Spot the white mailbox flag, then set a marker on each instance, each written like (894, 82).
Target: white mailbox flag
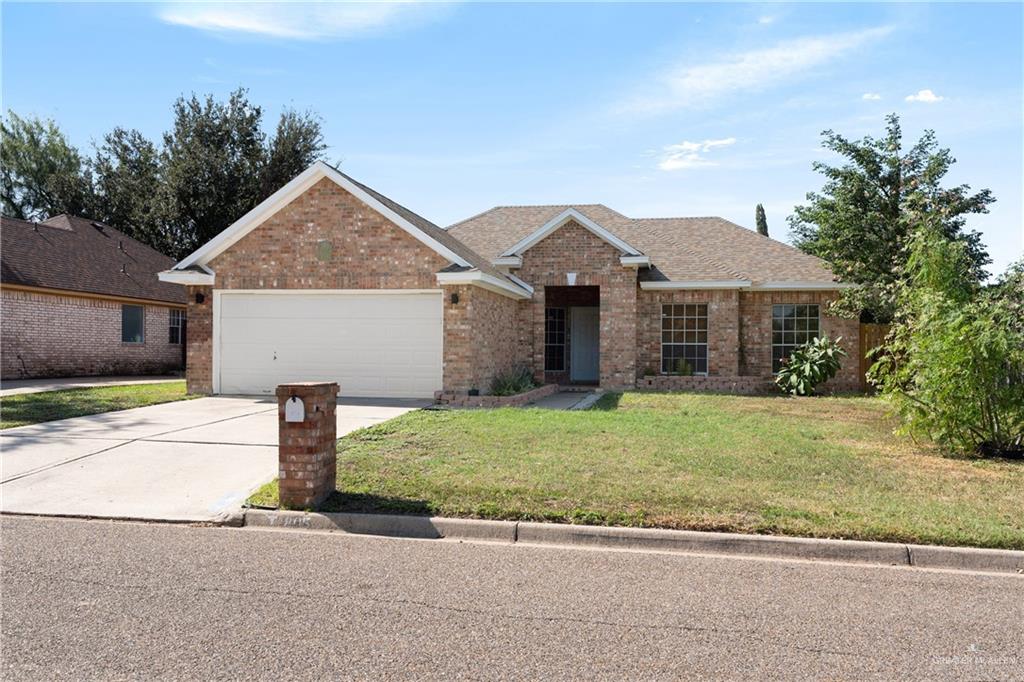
(294, 410)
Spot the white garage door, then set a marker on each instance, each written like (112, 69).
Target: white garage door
(380, 344)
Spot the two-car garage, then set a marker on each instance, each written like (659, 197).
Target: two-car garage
(374, 343)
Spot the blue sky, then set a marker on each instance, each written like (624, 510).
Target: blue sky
(654, 110)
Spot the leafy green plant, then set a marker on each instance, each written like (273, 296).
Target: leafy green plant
(953, 364)
(682, 368)
(513, 381)
(811, 364)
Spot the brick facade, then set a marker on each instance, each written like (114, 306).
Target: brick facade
(199, 364)
(49, 335)
(575, 249)
(755, 358)
(327, 239)
(480, 339)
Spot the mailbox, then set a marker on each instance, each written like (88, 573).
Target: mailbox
(294, 410)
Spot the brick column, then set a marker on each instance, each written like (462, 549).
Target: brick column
(307, 459)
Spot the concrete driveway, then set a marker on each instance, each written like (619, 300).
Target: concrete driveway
(192, 460)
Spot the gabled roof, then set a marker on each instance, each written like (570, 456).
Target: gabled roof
(416, 225)
(709, 250)
(565, 217)
(76, 254)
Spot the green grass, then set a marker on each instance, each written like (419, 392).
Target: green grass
(34, 408)
(818, 467)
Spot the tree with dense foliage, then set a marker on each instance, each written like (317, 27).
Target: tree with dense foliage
(297, 142)
(41, 173)
(761, 220)
(128, 190)
(862, 220)
(214, 165)
(953, 364)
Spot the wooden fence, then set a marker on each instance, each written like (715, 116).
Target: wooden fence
(871, 336)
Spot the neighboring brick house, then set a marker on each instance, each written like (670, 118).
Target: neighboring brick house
(329, 280)
(80, 298)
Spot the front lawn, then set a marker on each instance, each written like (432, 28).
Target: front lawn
(820, 467)
(33, 408)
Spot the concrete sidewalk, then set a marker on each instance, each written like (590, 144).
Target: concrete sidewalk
(19, 386)
(193, 460)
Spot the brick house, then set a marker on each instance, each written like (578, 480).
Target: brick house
(329, 280)
(79, 298)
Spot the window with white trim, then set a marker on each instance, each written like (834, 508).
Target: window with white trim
(792, 326)
(684, 338)
(554, 339)
(176, 332)
(133, 324)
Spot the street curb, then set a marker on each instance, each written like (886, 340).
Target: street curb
(645, 539)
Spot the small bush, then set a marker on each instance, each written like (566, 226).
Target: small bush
(513, 381)
(682, 368)
(811, 364)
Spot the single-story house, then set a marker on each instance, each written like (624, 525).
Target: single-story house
(328, 279)
(80, 298)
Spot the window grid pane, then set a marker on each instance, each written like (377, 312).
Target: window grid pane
(554, 339)
(684, 338)
(177, 322)
(792, 327)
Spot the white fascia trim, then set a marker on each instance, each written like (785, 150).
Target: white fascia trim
(697, 284)
(186, 277)
(295, 187)
(804, 286)
(332, 292)
(635, 261)
(508, 262)
(520, 283)
(482, 279)
(560, 220)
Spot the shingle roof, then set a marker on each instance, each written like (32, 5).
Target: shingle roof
(77, 254)
(682, 249)
(431, 230)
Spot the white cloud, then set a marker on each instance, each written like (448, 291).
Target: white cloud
(871, 96)
(690, 154)
(300, 21)
(688, 85)
(766, 20)
(926, 96)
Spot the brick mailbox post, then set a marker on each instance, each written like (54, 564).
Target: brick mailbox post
(307, 433)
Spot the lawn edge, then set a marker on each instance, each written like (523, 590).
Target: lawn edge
(645, 539)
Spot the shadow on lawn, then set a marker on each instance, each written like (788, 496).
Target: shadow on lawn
(375, 504)
(608, 402)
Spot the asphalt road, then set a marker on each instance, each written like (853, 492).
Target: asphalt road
(104, 600)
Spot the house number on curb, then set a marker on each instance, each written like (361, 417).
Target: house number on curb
(294, 410)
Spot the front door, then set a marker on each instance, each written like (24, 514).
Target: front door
(583, 344)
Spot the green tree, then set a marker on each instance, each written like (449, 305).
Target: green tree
(953, 364)
(297, 143)
(128, 189)
(761, 220)
(211, 161)
(862, 220)
(41, 174)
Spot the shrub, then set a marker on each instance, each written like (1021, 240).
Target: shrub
(811, 364)
(682, 367)
(513, 381)
(953, 365)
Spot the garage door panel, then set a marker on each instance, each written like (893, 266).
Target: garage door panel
(371, 344)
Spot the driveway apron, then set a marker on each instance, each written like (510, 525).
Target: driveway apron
(192, 460)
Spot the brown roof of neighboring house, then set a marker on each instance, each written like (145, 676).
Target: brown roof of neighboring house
(681, 249)
(76, 254)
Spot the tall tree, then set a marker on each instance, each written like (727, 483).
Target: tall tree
(211, 161)
(129, 192)
(297, 143)
(41, 174)
(761, 220)
(862, 220)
